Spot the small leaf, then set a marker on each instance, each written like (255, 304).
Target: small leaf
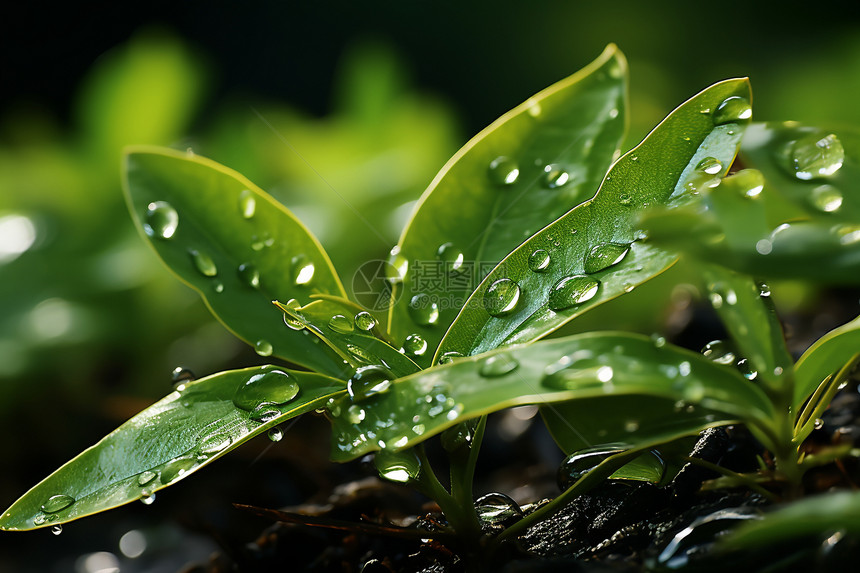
(829, 353)
(523, 171)
(169, 440)
(600, 367)
(230, 241)
(593, 249)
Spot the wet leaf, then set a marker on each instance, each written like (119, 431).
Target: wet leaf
(526, 169)
(594, 251)
(168, 441)
(614, 372)
(829, 353)
(235, 245)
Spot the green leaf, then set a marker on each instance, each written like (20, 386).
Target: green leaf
(829, 353)
(594, 254)
(351, 332)
(526, 169)
(808, 518)
(235, 245)
(171, 439)
(582, 368)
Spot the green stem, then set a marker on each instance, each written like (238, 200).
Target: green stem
(461, 517)
(744, 479)
(807, 425)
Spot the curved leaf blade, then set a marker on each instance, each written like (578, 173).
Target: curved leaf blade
(617, 365)
(230, 241)
(573, 128)
(829, 353)
(655, 172)
(170, 440)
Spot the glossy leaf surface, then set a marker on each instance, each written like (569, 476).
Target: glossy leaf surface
(829, 353)
(235, 245)
(526, 169)
(593, 366)
(593, 251)
(170, 440)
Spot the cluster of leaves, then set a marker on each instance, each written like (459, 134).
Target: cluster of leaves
(565, 223)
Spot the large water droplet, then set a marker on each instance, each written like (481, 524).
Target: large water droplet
(263, 347)
(290, 320)
(719, 351)
(498, 365)
(710, 165)
(146, 477)
(249, 275)
(56, 529)
(247, 203)
(415, 345)
(735, 109)
(605, 255)
(302, 270)
(341, 324)
(176, 469)
(501, 297)
(204, 263)
(369, 380)
(745, 368)
(260, 391)
(423, 310)
(449, 357)
(161, 220)
(504, 171)
(57, 503)
(365, 321)
(580, 463)
(571, 291)
(539, 261)
(826, 198)
(148, 499)
(554, 176)
(816, 156)
(397, 267)
(275, 434)
(214, 444)
(181, 375)
(400, 467)
(451, 257)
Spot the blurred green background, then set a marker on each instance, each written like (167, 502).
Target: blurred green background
(344, 111)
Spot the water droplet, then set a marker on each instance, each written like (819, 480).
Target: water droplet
(369, 380)
(218, 287)
(451, 257)
(341, 324)
(397, 267)
(449, 357)
(302, 270)
(355, 414)
(148, 499)
(458, 436)
(176, 468)
(631, 426)
(554, 176)
(501, 297)
(580, 463)
(204, 263)
(498, 365)
(424, 310)
(57, 503)
(146, 477)
(658, 341)
(504, 171)
(161, 220)
(290, 320)
(826, 198)
(625, 200)
(247, 203)
(605, 255)
(39, 519)
(249, 275)
(400, 467)
(745, 368)
(275, 434)
(415, 345)
(269, 388)
(181, 375)
(733, 110)
(571, 291)
(819, 423)
(719, 351)
(364, 321)
(763, 290)
(263, 347)
(57, 529)
(539, 261)
(710, 165)
(258, 243)
(214, 444)
(751, 180)
(816, 156)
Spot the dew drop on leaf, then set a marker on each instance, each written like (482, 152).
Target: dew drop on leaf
(504, 171)
(826, 198)
(148, 499)
(397, 267)
(709, 165)
(203, 263)
(290, 320)
(57, 503)
(400, 467)
(273, 387)
(815, 156)
(146, 477)
(735, 109)
(449, 357)
(554, 176)
(57, 529)
(368, 381)
(176, 469)
(581, 462)
(501, 297)
(355, 414)
(719, 351)
(249, 275)
(218, 287)
(746, 369)
(275, 434)
(340, 324)
(571, 291)
(302, 270)
(181, 375)
(364, 321)
(605, 255)
(498, 365)
(415, 345)
(423, 310)
(161, 220)
(451, 257)
(539, 260)
(214, 444)
(247, 203)
(263, 347)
